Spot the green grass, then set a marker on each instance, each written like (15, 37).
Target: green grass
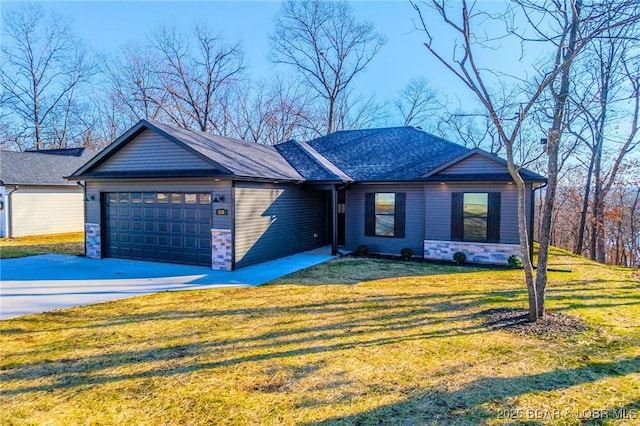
(406, 345)
(72, 243)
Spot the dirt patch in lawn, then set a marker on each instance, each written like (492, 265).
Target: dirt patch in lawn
(552, 325)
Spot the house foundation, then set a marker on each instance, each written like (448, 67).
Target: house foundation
(221, 250)
(92, 240)
(490, 253)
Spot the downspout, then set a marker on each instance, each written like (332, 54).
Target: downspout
(9, 216)
(532, 209)
(84, 205)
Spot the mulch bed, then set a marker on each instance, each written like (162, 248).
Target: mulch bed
(554, 324)
(422, 260)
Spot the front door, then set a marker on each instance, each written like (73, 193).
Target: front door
(342, 210)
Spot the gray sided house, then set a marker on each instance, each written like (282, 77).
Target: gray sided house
(167, 194)
(35, 198)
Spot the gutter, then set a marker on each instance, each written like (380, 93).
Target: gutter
(9, 216)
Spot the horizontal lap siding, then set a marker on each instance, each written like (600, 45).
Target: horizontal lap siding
(414, 220)
(438, 209)
(222, 188)
(274, 220)
(476, 164)
(39, 211)
(151, 151)
(3, 212)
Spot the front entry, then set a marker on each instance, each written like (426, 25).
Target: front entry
(342, 210)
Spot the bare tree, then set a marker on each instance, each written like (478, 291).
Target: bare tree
(324, 43)
(135, 85)
(565, 27)
(270, 113)
(605, 121)
(43, 69)
(197, 83)
(359, 112)
(417, 104)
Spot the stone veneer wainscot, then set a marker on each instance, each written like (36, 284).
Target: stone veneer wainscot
(221, 254)
(92, 240)
(491, 253)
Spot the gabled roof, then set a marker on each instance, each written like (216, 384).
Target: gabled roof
(233, 157)
(389, 154)
(38, 168)
(395, 154)
(527, 175)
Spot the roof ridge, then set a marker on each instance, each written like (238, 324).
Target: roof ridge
(207, 134)
(316, 156)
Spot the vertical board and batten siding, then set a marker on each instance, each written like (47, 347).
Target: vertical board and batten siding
(475, 164)
(221, 188)
(438, 208)
(47, 210)
(151, 151)
(414, 219)
(276, 220)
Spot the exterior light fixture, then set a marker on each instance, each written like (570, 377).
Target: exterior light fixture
(218, 198)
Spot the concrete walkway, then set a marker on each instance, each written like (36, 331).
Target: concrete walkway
(52, 281)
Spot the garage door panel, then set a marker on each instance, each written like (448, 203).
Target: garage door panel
(167, 227)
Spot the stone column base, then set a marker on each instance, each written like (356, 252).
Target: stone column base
(92, 240)
(221, 255)
(490, 253)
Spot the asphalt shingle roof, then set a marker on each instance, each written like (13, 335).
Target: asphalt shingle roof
(392, 154)
(242, 158)
(36, 168)
(389, 154)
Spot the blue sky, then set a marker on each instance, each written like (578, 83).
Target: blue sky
(108, 25)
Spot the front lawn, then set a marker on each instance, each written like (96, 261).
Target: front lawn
(349, 342)
(72, 243)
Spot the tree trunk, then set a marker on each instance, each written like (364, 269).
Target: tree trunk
(36, 115)
(332, 106)
(585, 209)
(553, 143)
(523, 231)
(553, 148)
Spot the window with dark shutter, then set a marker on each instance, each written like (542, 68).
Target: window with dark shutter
(369, 214)
(456, 216)
(493, 218)
(400, 214)
(475, 217)
(385, 214)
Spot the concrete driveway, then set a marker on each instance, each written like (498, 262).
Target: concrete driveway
(52, 281)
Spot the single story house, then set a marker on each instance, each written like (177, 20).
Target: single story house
(168, 194)
(35, 198)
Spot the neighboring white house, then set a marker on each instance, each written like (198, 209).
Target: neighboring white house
(35, 197)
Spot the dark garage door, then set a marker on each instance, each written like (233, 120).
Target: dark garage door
(159, 226)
